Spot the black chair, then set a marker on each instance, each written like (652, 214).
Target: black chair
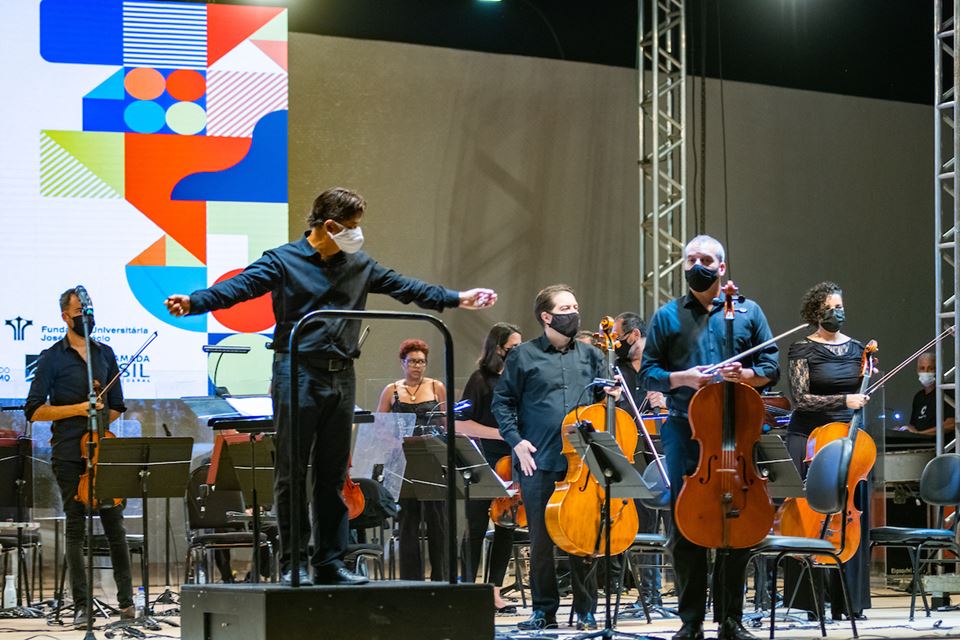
(826, 493)
(939, 486)
(378, 508)
(210, 528)
(32, 544)
(643, 544)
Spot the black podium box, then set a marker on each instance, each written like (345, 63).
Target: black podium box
(380, 610)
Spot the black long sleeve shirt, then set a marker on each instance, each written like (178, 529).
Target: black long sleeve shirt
(61, 379)
(538, 387)
(683, 334)
(301, 281)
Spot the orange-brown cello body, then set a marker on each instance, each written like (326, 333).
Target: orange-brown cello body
(88, 477)
(352, 495)
(508, 512)
(724, 504)
(574, 512)
(796, 518)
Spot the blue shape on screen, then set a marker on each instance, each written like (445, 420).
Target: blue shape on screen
(109, 89)
(144, 116)
(103, 115)
(260, 177)
(151, 285)
(81, 32)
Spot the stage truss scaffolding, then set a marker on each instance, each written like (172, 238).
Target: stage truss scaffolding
(662, 119)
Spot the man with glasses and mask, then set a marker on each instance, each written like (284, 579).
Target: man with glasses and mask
(685, 336)
(60, 394)
(542, 381)
(324, 269)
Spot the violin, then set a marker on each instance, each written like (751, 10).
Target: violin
(352, 495)
(795, 516)
(724, 504)
(574, 514)
(508, 512)
(88, 477)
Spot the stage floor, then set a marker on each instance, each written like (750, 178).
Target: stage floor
(887, 619)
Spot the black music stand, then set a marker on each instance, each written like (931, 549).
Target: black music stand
(605, 460)
(248, 467)
(16, 489)
(777, 467)
(143, 468)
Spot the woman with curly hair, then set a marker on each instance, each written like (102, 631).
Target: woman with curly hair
(416, 393)
(825, 385)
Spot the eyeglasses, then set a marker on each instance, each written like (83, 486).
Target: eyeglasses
(415, 362)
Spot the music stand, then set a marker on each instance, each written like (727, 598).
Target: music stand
(16, 489)
(606, 462)
(143, 468)
(776, 465)
(248, 467)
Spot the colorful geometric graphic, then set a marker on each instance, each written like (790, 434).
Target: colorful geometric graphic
(188, 124)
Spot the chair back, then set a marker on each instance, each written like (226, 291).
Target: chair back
(940, 481)
(378, 505)
(208, 509)
(827, 477)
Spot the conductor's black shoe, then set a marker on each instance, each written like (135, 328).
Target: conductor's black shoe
(733, 630)
(287, 577)
(586, 621)
(337, 575)
(690, 631)
(539, 620)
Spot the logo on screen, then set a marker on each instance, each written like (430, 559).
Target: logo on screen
(19, 326)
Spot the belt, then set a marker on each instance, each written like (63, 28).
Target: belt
(323, 363)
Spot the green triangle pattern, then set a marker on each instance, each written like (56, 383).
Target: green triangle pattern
(99, 151)
(63, 176)
(276, 29)
(177, 256)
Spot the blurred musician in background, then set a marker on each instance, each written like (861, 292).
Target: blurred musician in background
(923, 414)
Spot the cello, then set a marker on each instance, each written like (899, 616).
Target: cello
(796, 518)
(574, 514)
(724, 504)
(508, 512)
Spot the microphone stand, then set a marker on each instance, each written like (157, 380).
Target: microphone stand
(92, 432)
(168, 596)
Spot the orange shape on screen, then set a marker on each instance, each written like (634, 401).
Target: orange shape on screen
(251, 316)
(187, 85)
(144, 83)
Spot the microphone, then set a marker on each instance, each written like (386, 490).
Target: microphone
(85, 303)
(604, 382)
(166, 429)
(215, 348)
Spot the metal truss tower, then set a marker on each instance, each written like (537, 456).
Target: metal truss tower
(946, 140)
(662, 97)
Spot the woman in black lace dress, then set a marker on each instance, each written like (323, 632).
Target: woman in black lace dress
(418, 394)
(825, 384)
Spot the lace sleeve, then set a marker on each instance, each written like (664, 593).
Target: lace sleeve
(800, 389)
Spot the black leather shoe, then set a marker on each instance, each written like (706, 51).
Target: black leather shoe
(539, 620)
(305, 581)
(339, 575)
(733, 630)
(690, 631)
(586, 621)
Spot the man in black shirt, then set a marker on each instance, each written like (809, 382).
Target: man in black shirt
(59, 393)
(685, 336)
(542, 381)
(923, 414)
(632, 332)
(323, 270)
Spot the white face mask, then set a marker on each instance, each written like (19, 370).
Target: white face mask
(926, 378)
(349, 240)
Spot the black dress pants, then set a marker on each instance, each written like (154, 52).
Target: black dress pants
(478, 517)
(326, 414)
(537, 490)
(68, 477)
(690, 560)
(434, 514)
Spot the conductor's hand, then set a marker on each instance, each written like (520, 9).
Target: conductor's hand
(178, 304)
(857, 400)
(525, 451)
(478, 299)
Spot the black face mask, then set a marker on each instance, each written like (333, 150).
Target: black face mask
(700, 278)
(623, 349)
(78, 324)
(566, 324)
(832, 320)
